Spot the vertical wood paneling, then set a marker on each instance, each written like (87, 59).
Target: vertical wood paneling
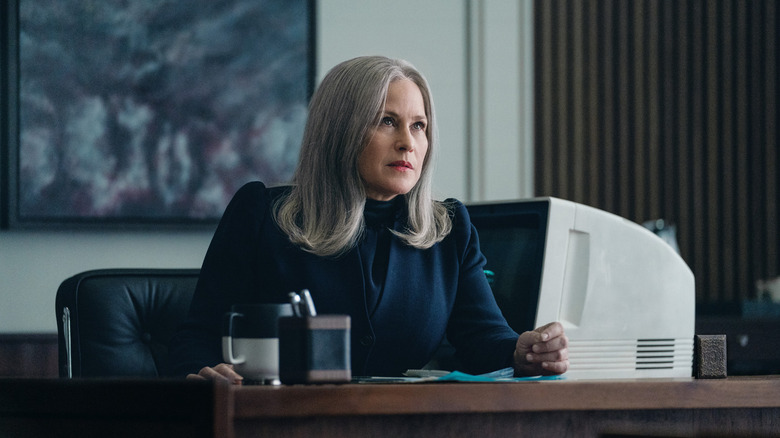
(639, 121)
(593, 94)
(562, 99)
(577, 90)
(653, 84)
(28, 355)
(544, 80)
(758, 155)
(686, 223)
(711, 141)
(607, 77)
(652, 109)
(741, 145)
(668, 128)
(772, 211)
(697, 130)
(728, 207)
(622, 169)
(757, 149)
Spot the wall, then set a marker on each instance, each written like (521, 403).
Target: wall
(474, 54)
(477, 57)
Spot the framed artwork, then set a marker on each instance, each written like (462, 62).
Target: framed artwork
(148, 112)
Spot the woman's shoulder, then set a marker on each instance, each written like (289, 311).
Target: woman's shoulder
(253, 201)
(259, 192)
(456, 209)
(459, 217)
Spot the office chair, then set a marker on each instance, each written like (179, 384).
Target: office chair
(118, 322)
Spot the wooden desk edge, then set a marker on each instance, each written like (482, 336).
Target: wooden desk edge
(449, 398)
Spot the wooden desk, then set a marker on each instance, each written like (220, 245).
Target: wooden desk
(742, 406)
(99, 408)
(732, 407)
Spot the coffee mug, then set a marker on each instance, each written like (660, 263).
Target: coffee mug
(250, 340)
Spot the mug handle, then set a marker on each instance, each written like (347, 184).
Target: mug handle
(227, 340)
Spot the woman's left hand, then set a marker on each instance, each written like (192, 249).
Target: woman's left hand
(543, 351)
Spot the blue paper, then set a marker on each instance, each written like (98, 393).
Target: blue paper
(503, 375)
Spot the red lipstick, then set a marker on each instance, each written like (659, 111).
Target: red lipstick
(401, 165)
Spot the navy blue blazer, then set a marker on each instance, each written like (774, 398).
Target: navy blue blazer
(427, 293)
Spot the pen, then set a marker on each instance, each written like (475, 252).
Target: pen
(309, 302)
(295, 302)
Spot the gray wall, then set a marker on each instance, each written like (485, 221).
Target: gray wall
(476, 56)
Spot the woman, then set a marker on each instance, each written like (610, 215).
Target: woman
(358, 228)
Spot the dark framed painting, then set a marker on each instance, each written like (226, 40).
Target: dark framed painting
(148, 112)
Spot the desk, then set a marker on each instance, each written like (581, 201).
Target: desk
(116, 408)
(733, 407)
(738, 406)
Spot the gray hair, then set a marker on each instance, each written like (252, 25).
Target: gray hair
(323, 213)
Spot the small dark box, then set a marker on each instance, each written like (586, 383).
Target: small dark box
(710, 356)
(314, 349)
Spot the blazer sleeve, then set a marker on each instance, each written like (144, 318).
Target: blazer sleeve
(227, 276)
(477, 329)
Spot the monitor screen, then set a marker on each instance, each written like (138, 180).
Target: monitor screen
(512, 238)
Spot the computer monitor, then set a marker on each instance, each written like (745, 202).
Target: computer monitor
(624, 296)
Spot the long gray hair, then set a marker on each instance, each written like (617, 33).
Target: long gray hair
(323, 213)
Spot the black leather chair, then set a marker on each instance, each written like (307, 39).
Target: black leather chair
(118, 322)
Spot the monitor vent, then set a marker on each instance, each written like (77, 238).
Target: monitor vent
(655, 354)
(642, 356)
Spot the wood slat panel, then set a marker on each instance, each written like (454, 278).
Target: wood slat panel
(741, 145)
(772, 213)
(725, 120)
(592, 94)
(608, 105)
(28, 355)
(663, 109)
(654, 151)
(686, 223)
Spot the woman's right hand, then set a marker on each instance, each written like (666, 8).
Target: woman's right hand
(221, 371)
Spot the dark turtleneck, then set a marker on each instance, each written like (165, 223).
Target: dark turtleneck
(374, 247)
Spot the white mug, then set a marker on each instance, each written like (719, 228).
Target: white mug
(250, 340)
